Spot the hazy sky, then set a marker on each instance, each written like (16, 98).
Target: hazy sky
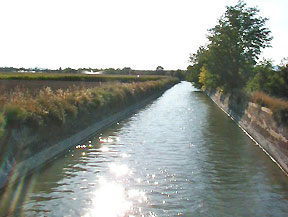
(140, 34)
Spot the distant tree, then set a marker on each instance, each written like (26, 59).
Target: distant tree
(160, 70)
(126, 70)
(70, 70)
(181, 74)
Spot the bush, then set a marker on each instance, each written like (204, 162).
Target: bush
(267, 79)
(14, 114)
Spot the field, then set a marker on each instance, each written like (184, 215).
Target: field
(37, 85)
(78, 77)
(35, 82)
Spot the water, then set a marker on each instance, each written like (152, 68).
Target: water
(179, 156)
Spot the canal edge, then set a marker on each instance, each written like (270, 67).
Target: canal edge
(267, 146)
(26, 167)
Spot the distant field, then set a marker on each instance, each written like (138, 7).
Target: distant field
(36, 85)
(35, 82)
(78, 77)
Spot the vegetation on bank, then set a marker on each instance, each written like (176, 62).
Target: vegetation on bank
(59, 113)
(50, 110)
(77, 77)
(229, 61)
(278, 106)
(46, 107)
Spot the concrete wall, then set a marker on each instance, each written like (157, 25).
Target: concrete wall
(12, 170)
(259, 123)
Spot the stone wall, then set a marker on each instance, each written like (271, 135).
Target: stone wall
(258, 122)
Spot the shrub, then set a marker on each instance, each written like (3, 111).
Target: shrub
(14, 114)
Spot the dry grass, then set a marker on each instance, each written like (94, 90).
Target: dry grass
(278, 106)
(45, 107)
(78, 77)
(37, 85)
(54, 115)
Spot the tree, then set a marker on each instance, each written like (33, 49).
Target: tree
(160, 70)
(235, 44)
(269, 80)
(126, 70)
(207, 79)
(198, 60)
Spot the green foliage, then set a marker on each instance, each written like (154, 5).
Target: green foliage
(2, 124)
(126, 70)
(267, 79)
(14, 114)
(198, 60)
(207, 79)
(234, 46)
(181, 74)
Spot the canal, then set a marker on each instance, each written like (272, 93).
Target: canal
(179, 156)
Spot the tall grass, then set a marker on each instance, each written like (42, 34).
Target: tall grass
(278, 106)
(49, 107)
(78, 77)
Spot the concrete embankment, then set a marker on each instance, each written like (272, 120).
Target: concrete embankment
(258, 122)
(12, 170)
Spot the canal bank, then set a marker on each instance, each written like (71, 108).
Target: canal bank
(12, 169)
(259, 124)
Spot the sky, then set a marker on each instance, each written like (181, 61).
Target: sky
(141, 34)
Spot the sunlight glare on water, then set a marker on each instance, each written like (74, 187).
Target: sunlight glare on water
(119, 170)
(109, 201)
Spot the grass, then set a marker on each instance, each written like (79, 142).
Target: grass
(38, 109)
(57, 114)
(77, 77)
(51, 112)
(278, 106)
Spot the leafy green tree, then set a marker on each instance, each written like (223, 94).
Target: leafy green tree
(198, 60)
(207, 79)
(262, 73)
(235, 44)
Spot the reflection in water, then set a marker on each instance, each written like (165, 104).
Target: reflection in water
(119, 170)
(110, 201)
(179, 156)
